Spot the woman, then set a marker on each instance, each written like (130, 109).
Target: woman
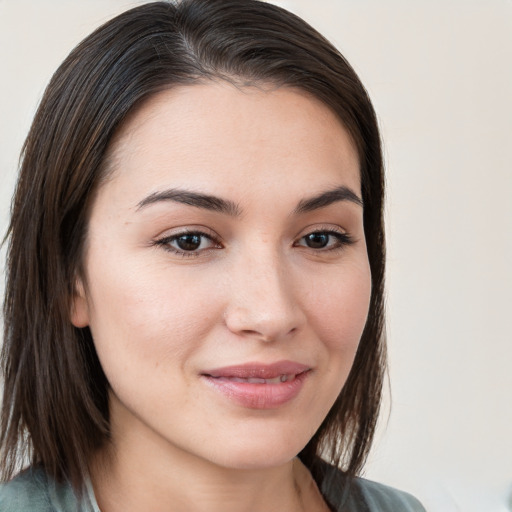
(194, 302)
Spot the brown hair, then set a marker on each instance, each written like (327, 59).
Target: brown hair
(55, 403)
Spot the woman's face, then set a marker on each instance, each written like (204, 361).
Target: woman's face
(226, 276)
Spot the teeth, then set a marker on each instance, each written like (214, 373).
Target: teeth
(256, 380)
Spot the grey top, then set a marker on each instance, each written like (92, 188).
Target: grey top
(34, 491)
(345, 494)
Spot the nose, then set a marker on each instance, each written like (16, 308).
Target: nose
(263, 302)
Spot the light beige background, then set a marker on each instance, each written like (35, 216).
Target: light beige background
(440, 75)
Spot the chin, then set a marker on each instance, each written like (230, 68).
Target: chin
(265, 454)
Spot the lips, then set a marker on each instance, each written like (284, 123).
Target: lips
(259, 371)
(258, 386)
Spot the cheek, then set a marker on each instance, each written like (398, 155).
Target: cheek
(339, 308)
(141, 318)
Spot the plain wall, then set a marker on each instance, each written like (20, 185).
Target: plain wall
(440, 75)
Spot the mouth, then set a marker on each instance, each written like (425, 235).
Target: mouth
(257, 380)
(259, 386)
(280, 371)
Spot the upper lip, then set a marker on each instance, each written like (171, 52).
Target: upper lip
(258, 370)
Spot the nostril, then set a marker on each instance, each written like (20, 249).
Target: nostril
(256, 334)
(250, 332)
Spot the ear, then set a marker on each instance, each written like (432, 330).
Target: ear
(79, 314)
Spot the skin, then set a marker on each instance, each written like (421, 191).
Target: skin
(253, 290)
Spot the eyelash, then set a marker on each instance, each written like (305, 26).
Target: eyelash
(166, 243)
(342, 240)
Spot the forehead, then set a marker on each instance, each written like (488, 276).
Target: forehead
(208, 133)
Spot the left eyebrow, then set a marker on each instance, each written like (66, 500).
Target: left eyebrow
(327, 198)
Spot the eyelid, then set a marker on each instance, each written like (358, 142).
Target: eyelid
(318, 228)
(185, 230)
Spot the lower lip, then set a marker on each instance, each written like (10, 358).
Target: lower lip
(259, 396)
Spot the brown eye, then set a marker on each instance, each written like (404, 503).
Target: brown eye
(189, 242)
(325, 240)
(317, 240)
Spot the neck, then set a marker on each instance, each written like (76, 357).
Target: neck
(121, 485)
(139, 472)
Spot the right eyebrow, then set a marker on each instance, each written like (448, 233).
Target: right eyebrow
(196, 199)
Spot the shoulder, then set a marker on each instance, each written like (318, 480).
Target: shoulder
(380, 497)
(360, 495)
(27, 491)
(32, 490)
